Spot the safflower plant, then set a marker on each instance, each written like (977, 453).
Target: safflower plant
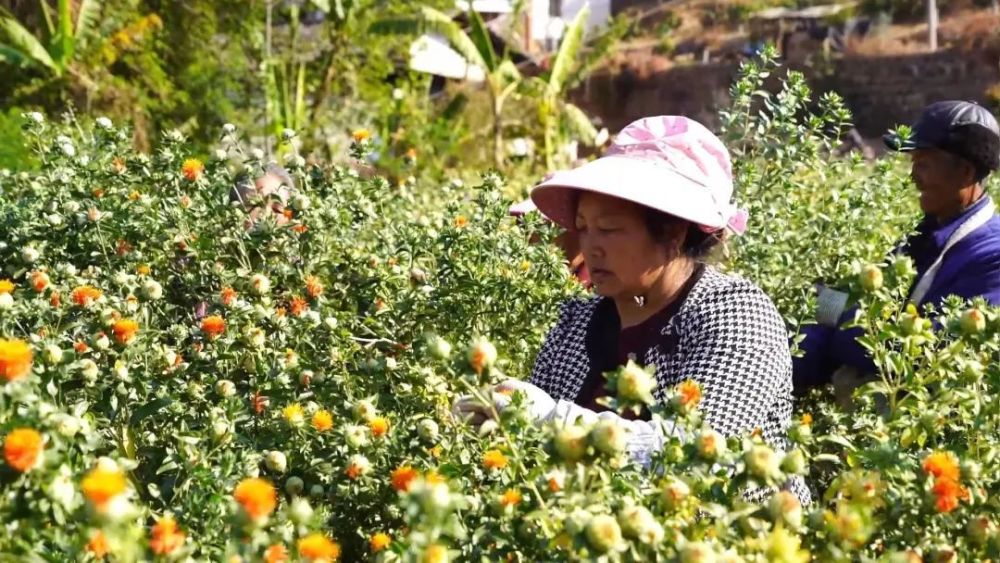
(179, 383)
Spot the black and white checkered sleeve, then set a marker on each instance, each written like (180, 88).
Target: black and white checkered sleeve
(737, 350)
(547, 369)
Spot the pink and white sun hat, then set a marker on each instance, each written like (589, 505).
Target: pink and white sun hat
(669, 163)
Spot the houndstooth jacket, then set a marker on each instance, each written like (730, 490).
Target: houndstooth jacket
(727, 336)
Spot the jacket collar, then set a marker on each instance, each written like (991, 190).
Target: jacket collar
(941, 233)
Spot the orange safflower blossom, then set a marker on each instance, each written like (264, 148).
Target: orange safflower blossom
(403, 477)
(690, 393)
(317, 547)
(15, 359)
(192, 169)
(379, 426)
(461, 221)
(510, 497)
(213, 326)
(22, 449)
(227, 296)
(361, 135)
(322, 420)
(166, 538)
(942, 464)
(124, 330)
(98, 544)
(948, 492)
(277, 553)
(494, 459)
(314, 288)
(379, 541)
(40, 281)
(85, 295)
(257, 497)
(298, 306)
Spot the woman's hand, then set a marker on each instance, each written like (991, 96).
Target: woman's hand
(539, 404)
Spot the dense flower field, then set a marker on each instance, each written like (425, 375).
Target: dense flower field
(179, 384)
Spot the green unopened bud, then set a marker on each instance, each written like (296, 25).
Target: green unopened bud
(294, 486)
(981, 530)
(871, 278)
(571, 443)
(794, 462)
(604, 534)
(763, 463)
(786, 508)
(972, 322)
(609, 438)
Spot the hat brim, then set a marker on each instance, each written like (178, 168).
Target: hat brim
(522, 208)
(651, 184)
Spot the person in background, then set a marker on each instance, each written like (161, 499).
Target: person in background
(567, 241)
(954, 146)
(269, 192)
(648, 214)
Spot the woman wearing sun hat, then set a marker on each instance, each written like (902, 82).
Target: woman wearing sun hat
(647, 214)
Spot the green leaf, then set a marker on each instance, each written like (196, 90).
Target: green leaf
(63, 43)
(839, 440)
(86, 17)
(480, 35)
(442, 24)
(569, 50)
(323, 5)
(148, 409)
(580, 124)
(21, 40)
(11, 56)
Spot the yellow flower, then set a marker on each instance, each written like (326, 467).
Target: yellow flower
(124, 330)
(322, 420)
(435, 553)
(15, 359)
(317, 547)
(461, 221)
(942, 464)
(361, 135)
(192, 169)
(379, 426)
(494, 459)
(379, 541)
(6, 286)
(293, 414)
(510, 497)
(102, 485)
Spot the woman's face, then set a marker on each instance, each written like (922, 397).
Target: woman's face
(621, 254)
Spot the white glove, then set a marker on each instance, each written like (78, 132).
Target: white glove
(539, 404)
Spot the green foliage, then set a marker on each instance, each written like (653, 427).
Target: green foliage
(14, 154)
